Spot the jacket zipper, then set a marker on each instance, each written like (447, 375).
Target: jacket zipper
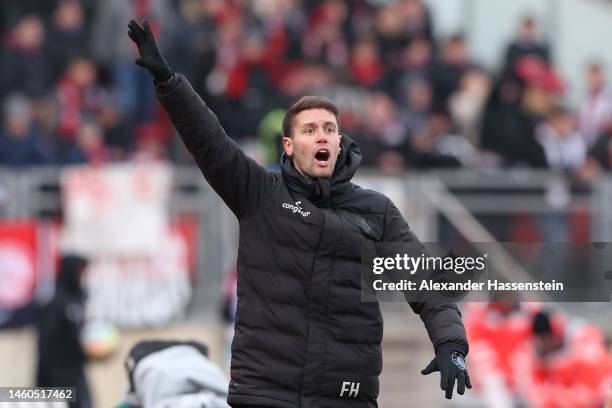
(314, 260)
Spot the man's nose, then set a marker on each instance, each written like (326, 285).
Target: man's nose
(322, 137)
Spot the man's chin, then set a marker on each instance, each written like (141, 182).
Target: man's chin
(321, 173)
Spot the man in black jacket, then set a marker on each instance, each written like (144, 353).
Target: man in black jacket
(303, 338)
(61, 357)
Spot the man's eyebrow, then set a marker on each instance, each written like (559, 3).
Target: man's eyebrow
(314, 124)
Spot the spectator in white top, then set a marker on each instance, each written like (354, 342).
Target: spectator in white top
(563, 145)
(596, 109)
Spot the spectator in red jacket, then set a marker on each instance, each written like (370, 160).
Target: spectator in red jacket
(366, 67)
(497, 332)
(566, 365)
(77, 95)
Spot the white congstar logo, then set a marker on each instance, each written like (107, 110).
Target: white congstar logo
(295, 208)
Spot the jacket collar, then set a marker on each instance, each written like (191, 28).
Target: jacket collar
(323, 192)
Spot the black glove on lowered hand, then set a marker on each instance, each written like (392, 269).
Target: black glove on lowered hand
(451, 365)
(150, 57)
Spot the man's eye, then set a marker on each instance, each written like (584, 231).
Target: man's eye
(309, 130)
(329, 130)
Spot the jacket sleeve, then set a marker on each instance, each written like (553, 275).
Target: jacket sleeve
(238, 179)
(442, 320)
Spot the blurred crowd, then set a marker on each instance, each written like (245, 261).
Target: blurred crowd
(523, 355)
(71, 93)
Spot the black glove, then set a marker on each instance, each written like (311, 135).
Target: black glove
(451, 365)
(150, 57)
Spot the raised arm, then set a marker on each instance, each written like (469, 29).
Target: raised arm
(442, 320)
(237, 178)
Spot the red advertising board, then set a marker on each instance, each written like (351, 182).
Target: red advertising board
(17, 263)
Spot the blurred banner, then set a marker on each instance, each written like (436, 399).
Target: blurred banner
(118, 217)
(144, 291)
(118, 210)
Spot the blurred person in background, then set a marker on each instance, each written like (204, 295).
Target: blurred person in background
(152, 143)
(527, 43)
(565, 153)
(521, 99)
(600, 153)
(67, 36)
(108, 48)
(389, 28)
(284, 22)
(448, 69)
(61, 356)
(507, 129)
(25, 66)
(416, 19)
(566, 363)
(78, 95)
(467, 104)
(87, 147)
(250, 91)
(13, 10)
(564, 148)
(429, 148)
(298, 215)
(21, 142)
(366, 68)
(415, 113)
(306, 78)
(497, 331)
(397, 24)
(325, 39)
(413, 66)
(380, 134)
(596, 108)
(119, 136)
(194, 50)
(270, 136)
(248, 65)
(543, 87)
(361, 19)
(171, 373)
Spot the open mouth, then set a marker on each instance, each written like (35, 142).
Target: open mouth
(322, 156)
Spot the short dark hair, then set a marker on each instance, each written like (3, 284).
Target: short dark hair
(306, 103)
(541, 324)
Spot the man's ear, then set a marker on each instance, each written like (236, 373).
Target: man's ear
(288, 145)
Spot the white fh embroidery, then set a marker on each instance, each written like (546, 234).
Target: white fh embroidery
(353, 391)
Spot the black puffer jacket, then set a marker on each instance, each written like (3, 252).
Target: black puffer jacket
(303, 337)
